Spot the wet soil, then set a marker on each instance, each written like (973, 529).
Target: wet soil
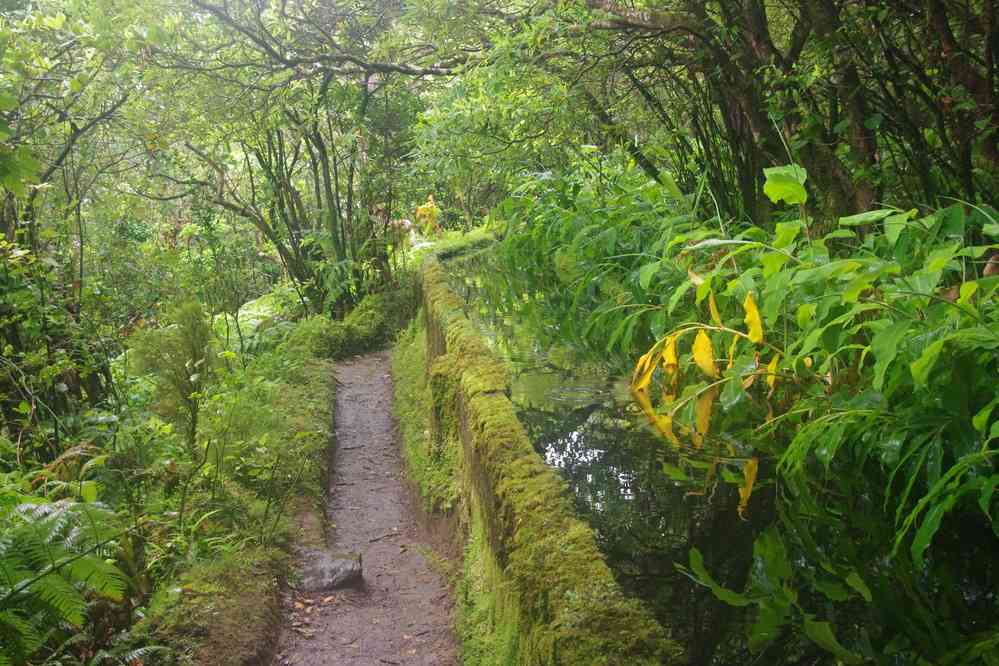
(401, 614)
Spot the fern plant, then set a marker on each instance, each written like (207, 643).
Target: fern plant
(53, 559)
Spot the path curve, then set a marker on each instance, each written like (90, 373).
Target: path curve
(402, 613)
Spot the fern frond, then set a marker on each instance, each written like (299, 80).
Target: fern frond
(60, 594)
(20, 636)
(99, 576)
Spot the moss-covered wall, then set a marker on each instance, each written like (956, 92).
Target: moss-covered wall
(535, 589)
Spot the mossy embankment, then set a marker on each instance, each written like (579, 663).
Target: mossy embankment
(534, 589)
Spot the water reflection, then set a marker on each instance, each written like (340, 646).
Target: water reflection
(580, 418)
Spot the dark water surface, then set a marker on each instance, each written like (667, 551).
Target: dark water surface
(648, 503)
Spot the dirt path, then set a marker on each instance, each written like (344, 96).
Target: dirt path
(401, 613)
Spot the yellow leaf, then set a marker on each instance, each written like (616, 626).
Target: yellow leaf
(670, 364)
(746, 489)
(704, 354)
(668, 356)
(753, 321)
(662, 423)
(713, 307)
(695, 278)
(642, 375)
(772, 371)
(702, 415)
(732, 350)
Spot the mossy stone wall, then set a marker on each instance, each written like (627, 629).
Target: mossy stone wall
(546, 591)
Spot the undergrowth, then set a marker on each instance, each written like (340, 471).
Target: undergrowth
(433, 469)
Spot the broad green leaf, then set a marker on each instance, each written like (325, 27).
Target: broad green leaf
(968, 290)
(931, 523)
(7, 102)
(866, 218)
(857, 583)
(885, 347)
(786, 183)
(704, 578)
(923, 365)
(773, 262)
(647, 272)
(805, 314)
(939, 258)
(821, 634)
(981, 419)
(786, 233)
(767, 626)
(894, 224)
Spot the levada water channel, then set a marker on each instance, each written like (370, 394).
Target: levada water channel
(648, 502)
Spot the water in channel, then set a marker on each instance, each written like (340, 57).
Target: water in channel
(647, 502)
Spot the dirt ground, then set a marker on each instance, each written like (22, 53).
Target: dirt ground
(402, 613)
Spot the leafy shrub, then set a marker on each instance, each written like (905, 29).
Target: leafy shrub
(179, 356)
(372, 323)
(841, 372)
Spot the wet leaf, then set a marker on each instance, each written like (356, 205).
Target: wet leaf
(702, 414)
(713, 307)
(923, 365)
(929, 528)
(753, 321)
(704, 355)
(772, 372)
(702, 576)
(787, 183)
(857, 583)
(822, 635)
(746, 489)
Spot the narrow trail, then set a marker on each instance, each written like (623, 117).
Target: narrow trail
(401, 613)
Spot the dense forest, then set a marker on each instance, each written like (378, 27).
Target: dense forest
(776, 218)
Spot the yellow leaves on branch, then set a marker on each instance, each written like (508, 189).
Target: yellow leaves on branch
(664, 356)
(753, 321)
(642, 378)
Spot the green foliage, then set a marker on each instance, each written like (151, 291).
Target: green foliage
(866, 392)
(180, 357)
(371, 324)
(588, 247)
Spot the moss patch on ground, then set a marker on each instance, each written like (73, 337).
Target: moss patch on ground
(223, 612)
(432, 468)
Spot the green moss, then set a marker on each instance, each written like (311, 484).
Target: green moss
(432, 468)
(223, 612)
(536, 589)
